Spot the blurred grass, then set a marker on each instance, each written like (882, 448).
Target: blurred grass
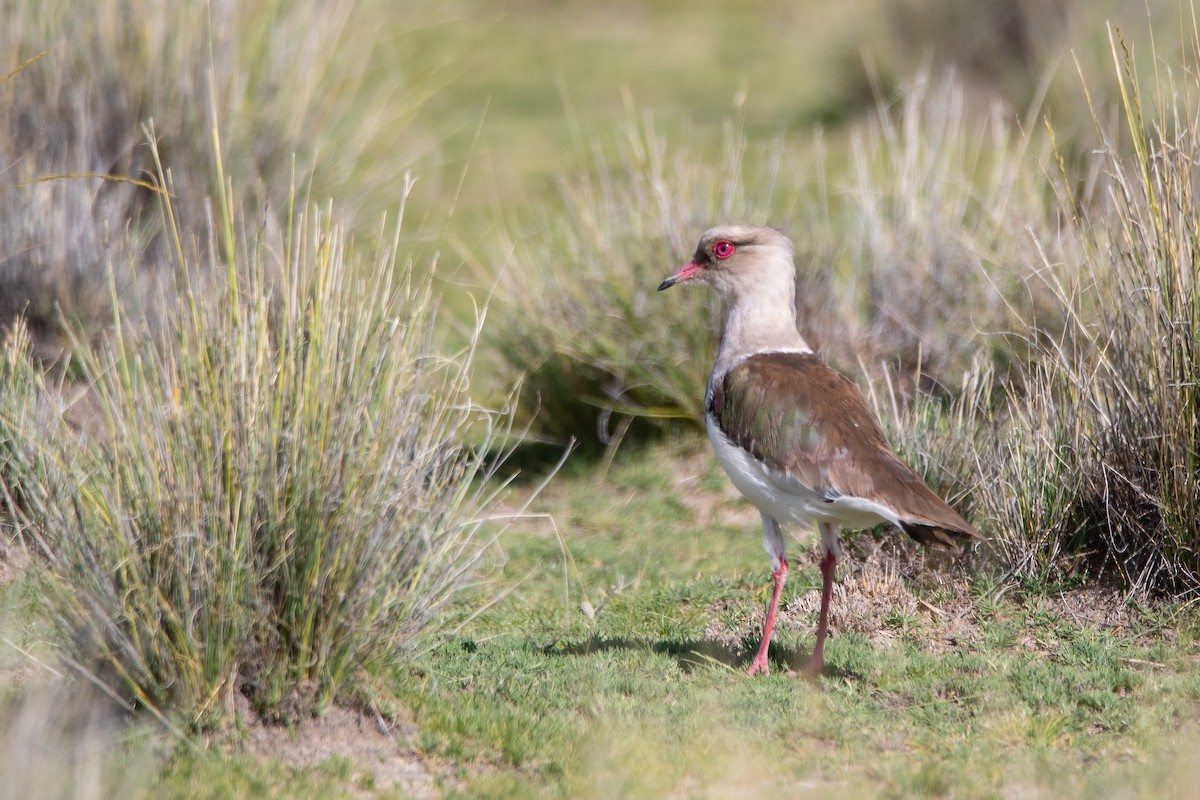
(550, 77)
(496, 102)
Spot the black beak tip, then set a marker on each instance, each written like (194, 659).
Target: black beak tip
(667, 284)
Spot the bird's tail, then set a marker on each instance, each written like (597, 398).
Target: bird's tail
(942, 536)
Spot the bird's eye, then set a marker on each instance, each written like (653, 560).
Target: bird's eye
(723, 249)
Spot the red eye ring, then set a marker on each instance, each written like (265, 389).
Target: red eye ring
(723, 249)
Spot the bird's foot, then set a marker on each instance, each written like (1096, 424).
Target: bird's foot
(759, 666)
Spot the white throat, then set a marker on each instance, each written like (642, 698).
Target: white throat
(760, 314)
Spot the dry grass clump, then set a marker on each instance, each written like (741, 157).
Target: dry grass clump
(1005, 455)
(1029, 484)
(940, 217)
(21, 409)
(277, 489)
(1130, 369)
(1087, 465)
(283, 79)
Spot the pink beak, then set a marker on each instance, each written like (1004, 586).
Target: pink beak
(685, 273)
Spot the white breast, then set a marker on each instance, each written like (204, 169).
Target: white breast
(785, 498)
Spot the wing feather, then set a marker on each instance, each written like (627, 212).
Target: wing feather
(802, 418)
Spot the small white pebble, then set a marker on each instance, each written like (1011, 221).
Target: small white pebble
(586, 608)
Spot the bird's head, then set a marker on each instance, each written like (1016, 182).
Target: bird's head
(733, 257)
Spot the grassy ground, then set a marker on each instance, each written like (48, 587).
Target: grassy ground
(611, 666)
(939, 683)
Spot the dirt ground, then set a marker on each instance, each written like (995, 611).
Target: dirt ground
(381, 751)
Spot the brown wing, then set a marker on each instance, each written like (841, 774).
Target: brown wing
(802, 418)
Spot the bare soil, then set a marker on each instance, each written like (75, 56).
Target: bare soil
(380, 751)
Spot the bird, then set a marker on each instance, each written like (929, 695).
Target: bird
(796, 437)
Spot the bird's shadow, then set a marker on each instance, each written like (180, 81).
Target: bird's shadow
(695, 653)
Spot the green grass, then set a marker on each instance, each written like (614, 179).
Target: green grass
(536, 699)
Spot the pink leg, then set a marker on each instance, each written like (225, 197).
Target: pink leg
(759, 664)
(816, 664)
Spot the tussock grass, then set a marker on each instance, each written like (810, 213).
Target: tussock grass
(277, 490)
(1083, 455)
(1127, 365)
(21, 410)
(1028, 485)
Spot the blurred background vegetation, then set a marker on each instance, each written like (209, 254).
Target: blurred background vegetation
(504, 111)
(204, 206)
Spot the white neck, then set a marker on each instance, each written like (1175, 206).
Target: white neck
(760, 316)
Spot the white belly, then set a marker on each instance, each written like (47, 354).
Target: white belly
(785, 498)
